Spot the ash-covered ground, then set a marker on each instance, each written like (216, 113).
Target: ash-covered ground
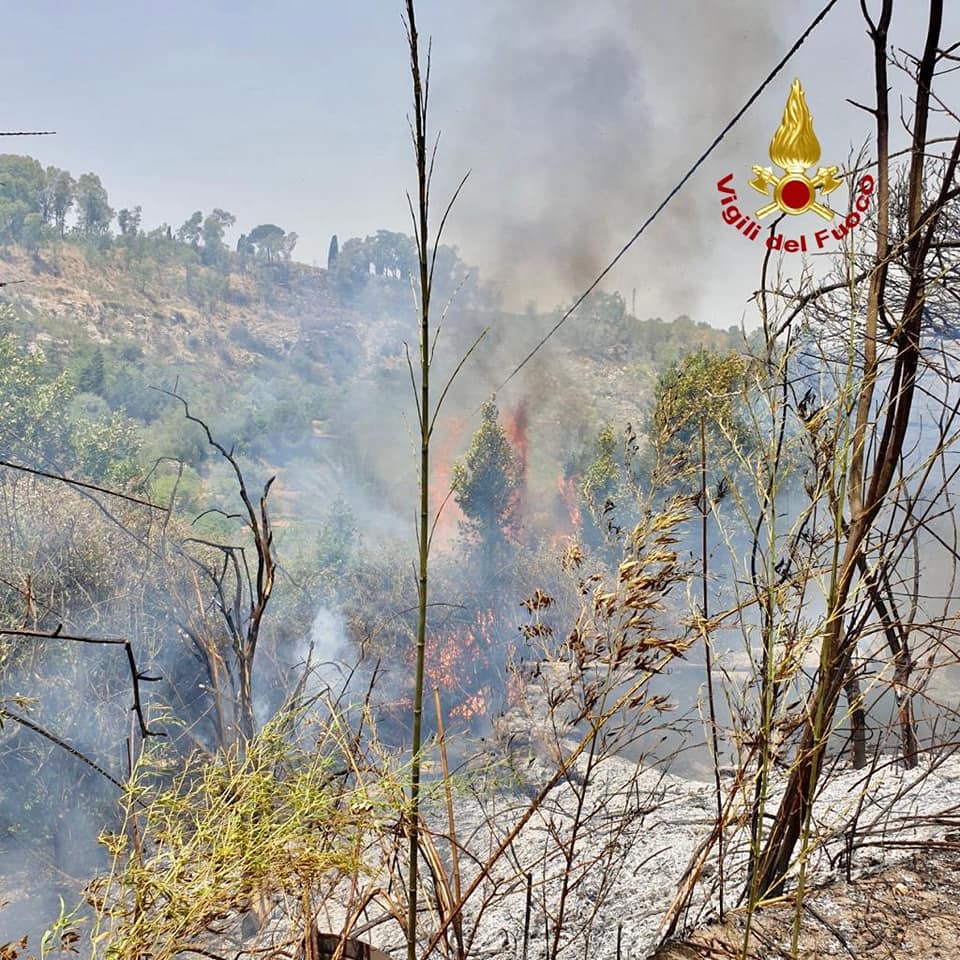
(635, 831)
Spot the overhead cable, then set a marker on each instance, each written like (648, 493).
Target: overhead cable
(682, 182)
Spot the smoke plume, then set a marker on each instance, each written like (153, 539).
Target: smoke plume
(576, 120)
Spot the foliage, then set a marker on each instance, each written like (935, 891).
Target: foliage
(59, 196)
(602, 477)
(22, 189)
(337, 539)
(189, 230)
(36, 426)
(214, 227)
(703, 386)
(129, 222)
(270, 242)
(607, 489)
(106, 449)
(93, 209)
(486, 482)
(223, 833)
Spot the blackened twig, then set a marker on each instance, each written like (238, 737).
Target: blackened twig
(135, 675)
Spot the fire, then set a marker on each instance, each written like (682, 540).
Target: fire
(451, 433)
(569, 489)
(515, 426)
(475, 705)
(458, 663)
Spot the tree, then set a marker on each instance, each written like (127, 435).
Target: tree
(38, 429)
(287, 243)
(32, 405)
(129, 222)
(59, 192)
(33, 231)
(333, 252)
(271, 242)
(337, 539)
(393, 254)
(602, 477)
(604, 489)
(704, 385)
(189, 232)
(486, 483)
(869, 476)
(214, 228)
(91, 376)
(21, 193)
(93, 208)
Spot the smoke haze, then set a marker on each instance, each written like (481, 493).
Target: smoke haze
(576, 122)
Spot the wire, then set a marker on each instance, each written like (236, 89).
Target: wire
(653, 216)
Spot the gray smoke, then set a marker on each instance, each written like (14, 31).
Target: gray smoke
(577, 119)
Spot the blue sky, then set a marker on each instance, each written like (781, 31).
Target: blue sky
(574, 118)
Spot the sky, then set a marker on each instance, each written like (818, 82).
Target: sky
(574, 120)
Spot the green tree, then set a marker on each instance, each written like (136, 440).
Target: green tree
(602, 477)
(214, 227)
(265, 240)
(93, 208)
(703, 385)
(21, 193)
(607, 489)
(59, 195)
(333, 252)
(33, 232)
(129, 222)
(191, 229)
(37, 427)
(353, 267)
(90, 377)
(32, 404)
(486, 483)
(337, 540)
(272, 242)
(106, 449)
(392, 254)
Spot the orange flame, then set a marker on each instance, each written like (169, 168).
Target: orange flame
(450, 433)
(515, 427)
(457, 661)
(569, 489)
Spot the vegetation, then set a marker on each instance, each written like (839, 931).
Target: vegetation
(213, 654)
(486, 484)
(232, 834)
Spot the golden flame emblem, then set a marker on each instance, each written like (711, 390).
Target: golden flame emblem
(794, 149)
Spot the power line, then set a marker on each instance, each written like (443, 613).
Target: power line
(653, 216)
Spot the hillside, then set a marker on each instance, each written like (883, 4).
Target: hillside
(305, 364)
(301, 374)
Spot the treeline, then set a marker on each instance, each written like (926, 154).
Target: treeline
(40, 204)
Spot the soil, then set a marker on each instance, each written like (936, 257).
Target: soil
(909, 910)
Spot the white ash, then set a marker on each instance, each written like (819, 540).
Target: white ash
(640, 829)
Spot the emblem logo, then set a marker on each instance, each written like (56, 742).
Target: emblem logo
(794, 149)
